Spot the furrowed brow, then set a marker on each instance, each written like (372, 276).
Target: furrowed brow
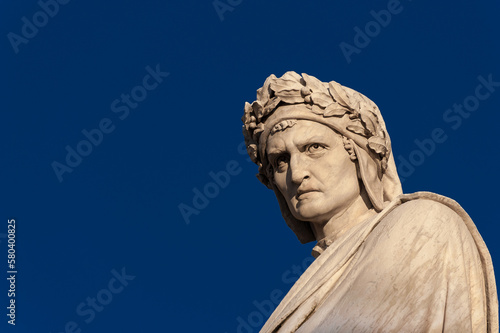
(275, 151)
(317, 138)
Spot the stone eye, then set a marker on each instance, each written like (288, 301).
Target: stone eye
(281, 159)
(280, 163)
(315, 147)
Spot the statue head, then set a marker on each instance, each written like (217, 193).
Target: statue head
(331, 136)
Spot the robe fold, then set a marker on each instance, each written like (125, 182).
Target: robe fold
(419, 265)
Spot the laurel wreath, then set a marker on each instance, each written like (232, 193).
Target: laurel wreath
(325, 99)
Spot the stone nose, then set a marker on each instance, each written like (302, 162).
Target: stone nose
(299, 168)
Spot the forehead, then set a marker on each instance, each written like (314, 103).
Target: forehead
(302, 132)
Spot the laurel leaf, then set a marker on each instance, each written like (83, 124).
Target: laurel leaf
(279, 85)
(291, 75)
(321, 99)
(252, 152)
(317, 110)
(264, 93)
(290, 96)
(258, 109)
(339, 94)
(333, 110)
(256, 133)
(248, 111)
(369, 121)
(273, 103)
(377, 144)
(289, 92)
(314, 84)
(357, 127)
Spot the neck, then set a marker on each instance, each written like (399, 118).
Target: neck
(358, 211)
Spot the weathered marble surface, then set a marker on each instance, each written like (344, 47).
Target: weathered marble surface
(418, 266)
(386, 262)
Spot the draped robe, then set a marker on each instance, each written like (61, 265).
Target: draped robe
(419, 265)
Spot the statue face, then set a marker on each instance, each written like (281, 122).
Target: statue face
(313, 171)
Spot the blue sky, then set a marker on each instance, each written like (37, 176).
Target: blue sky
(115, 113)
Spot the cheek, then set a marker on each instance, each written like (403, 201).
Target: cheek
(280, 181)
(337, 171)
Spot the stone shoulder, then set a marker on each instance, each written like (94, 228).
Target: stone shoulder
(427, 212)
(418, 219)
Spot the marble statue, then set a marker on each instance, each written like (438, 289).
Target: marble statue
(385, 261)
